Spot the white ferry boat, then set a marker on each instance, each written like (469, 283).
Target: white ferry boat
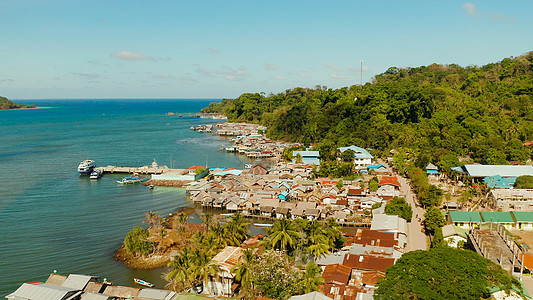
(86, 167)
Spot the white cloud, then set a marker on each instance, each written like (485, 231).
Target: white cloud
(471, 9)
(270, 67)
(163, 76)
(303, 75)
(132, 56)
(188, 79)
(86, 75)
(233, 75)
(203, 71)
(340, 77)
(279, 77)
(332, 67)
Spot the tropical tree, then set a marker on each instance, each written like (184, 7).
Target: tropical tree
(136, 242)
(433, 219)
(243, 274)
(152, 218)
(237, 229)
(282, 235)
(181, 276)
(311, 278)
(443, 273)
(203, 268)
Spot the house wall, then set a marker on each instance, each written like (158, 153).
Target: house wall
(454, 240)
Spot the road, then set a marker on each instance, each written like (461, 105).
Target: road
(417, 240)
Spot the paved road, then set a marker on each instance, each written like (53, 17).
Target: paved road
(417, 240)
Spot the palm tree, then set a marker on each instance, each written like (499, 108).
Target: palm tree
(243, 274)
(182, 219)
(152, 218)
(180, 276)
(311, 278)
(282, 235)
(204, 268)
(207, 219)
(236, 230)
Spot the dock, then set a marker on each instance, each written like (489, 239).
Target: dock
(140, 170)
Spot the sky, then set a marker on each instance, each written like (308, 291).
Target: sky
(62, 49)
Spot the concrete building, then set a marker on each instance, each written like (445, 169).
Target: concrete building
(512, 199)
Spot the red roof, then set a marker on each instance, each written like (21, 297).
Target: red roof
(372, 238)
(528, 144)
(341, 291)
(336, 273)
(356, 192)
(367, 262)
(195, 167)
(389, 180)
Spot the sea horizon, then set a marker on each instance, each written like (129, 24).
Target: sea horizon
(55, 219)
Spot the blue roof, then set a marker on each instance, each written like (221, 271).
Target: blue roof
(375, 166)
(502, 170)
(499, 181)
(359, 152)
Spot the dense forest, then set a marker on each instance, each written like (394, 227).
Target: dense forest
(8, 104)
(481, 113)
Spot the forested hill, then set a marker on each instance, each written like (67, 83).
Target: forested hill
(482, 112)
(8, 104)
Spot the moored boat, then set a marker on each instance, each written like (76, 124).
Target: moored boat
(142, 282)
(96, 173)
(86, 167)
(130, 179)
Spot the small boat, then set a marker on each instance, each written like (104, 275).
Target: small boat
(130, 179)
(142, 282)
(96, 173)
(86, 167)
(262, 225)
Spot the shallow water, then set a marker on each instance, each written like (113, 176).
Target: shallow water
(54, 219)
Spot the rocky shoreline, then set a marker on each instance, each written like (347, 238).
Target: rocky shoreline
(141, 262)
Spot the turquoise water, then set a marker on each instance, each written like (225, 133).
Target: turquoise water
(54, 219)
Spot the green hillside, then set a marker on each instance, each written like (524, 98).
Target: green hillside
(437, 110)
(8, 104)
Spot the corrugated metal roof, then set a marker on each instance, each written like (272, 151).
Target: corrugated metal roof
(77, 281)
(465, 216)
(155, 294)
(94, 296)
(311, 296)
(359, 152)
(502, 170)
(44, 291)
(523, 216)
(497, 217)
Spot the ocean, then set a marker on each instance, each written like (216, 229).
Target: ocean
(54, 219)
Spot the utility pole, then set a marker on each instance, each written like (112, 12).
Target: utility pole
(361, 73)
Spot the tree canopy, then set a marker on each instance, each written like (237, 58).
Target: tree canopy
(399, 207)
(8, 104)
(447, 111)
(443, 273)
(524, 182)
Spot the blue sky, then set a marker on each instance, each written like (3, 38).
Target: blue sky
(221, 49)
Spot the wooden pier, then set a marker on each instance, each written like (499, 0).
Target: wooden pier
(139, 170)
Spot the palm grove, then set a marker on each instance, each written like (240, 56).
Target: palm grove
(281, 265)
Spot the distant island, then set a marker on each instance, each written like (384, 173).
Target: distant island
(6, 104)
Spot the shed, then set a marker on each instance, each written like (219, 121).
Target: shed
(78, 282)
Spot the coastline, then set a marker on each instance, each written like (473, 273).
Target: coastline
(23, 108)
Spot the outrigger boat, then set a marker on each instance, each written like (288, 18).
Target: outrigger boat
(142, 282)
(130, 179)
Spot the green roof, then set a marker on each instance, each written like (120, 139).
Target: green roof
(465, 216)
(497, 217)
(523, 216)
